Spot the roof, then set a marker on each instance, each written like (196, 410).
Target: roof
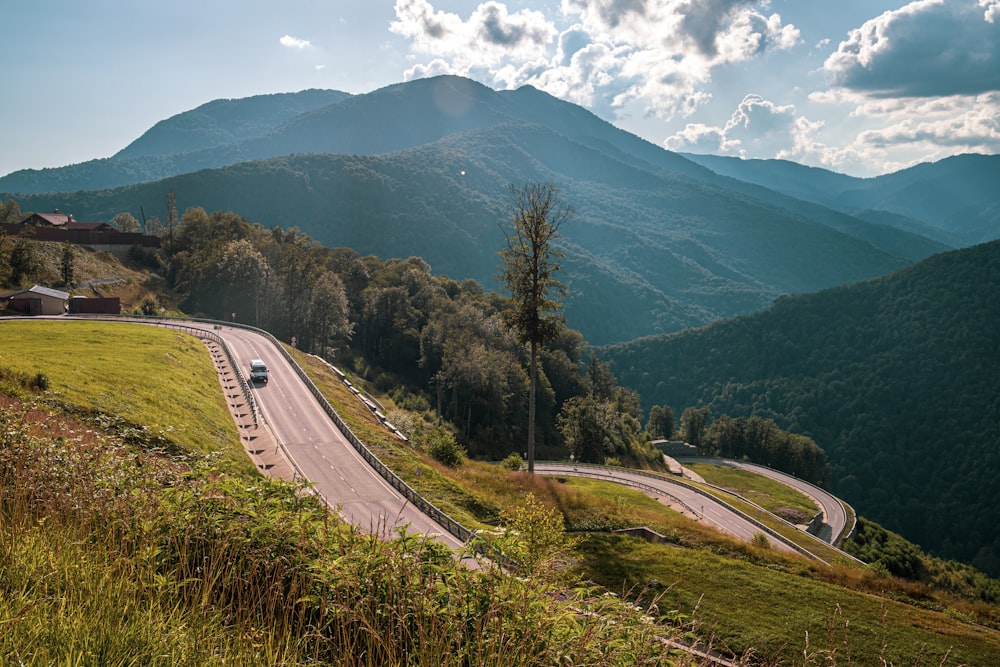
(38, 289)
(57, 219)
(65, 221)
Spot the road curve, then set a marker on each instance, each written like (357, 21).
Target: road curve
(705, 507)
(835, 516)
(318, 450)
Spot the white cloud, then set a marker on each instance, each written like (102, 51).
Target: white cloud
(490, 36)
(616, 52)
(970, 124)
(992, 8)
(290, 42)
(924, 49)
(758, 127)
(895, 80)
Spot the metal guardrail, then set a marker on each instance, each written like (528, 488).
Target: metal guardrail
(411, 495)
(240, 378)
(421, 503)
(849, 527)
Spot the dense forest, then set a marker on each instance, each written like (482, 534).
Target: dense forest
(896, 378)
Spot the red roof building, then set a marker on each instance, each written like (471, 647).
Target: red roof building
(61, 220)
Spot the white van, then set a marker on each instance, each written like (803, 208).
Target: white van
(258, 371)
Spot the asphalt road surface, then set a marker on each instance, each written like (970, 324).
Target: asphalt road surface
(320, 451)
(704, 507)
(834, 514)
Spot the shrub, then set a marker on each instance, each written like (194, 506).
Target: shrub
(513, 462)
(40, 382)
(760, 540)
(443, 447)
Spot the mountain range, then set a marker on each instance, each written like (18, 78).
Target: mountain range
(658, 242)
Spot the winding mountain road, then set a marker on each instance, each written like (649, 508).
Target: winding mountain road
(704, 507)
(318, 450)
(835, 516)
(321, 453)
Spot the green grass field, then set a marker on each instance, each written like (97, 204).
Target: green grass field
(752, 606)
(158, 380)
(770, 494)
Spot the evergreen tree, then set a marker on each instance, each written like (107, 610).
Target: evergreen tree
(66, 263)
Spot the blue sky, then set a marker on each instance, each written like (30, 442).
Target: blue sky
(857, 86)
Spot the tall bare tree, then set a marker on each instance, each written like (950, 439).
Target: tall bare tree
(528, 271)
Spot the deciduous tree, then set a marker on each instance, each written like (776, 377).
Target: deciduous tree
(530, 262)
(125, 222)
(661, 422)
(693, 424)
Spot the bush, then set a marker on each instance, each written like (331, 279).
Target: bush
(442, 446)
(40, 382)
(513, 462)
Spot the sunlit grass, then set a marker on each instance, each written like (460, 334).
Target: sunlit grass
(709, 562)
(159, 381)
(747, 606)
(111, 555)
(770, 494)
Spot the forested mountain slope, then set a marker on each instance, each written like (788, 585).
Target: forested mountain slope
(648, 250)
(658, 243)
(897, 378)
(224, 122)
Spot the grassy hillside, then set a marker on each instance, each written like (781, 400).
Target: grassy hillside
(895, 378)
(169, 378)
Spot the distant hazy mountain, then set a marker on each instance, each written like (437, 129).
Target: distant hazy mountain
(177, 145)
(897, 378)
(954, 201)
(225, 122)
(422, 168)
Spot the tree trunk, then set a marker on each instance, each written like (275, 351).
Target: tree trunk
(531, 407)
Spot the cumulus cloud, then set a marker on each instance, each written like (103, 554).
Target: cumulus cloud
(926, 48)
(491, 34)
(758, 127)
(704, 21)
(659, 53)
(935, 127)
(992, 8)
(290, 42)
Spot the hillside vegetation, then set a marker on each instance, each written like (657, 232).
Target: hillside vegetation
(950, 200)
(115, 553)
(895, 378)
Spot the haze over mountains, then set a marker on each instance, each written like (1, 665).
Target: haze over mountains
(659, 243)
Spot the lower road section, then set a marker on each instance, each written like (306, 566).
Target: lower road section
(835, 516)
(704, 507)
